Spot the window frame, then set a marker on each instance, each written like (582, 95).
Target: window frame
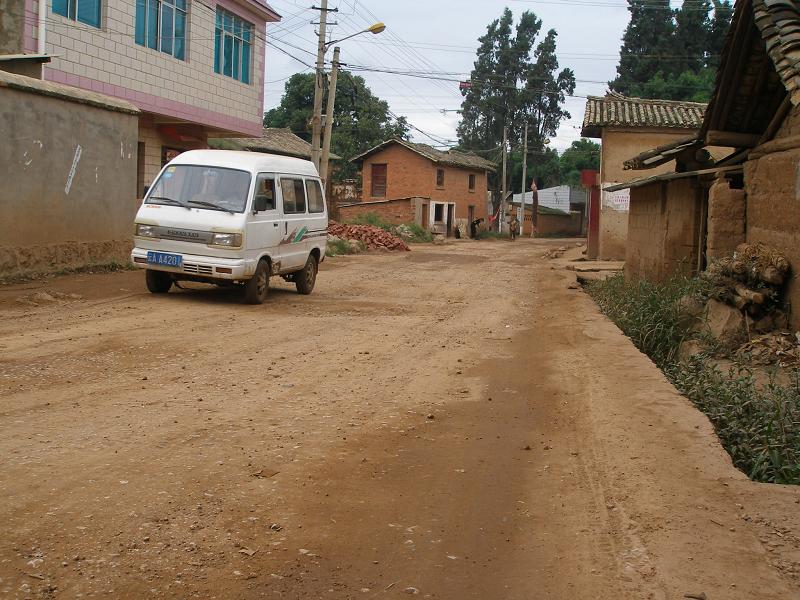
(266, 177)
(385, 185)
(234, 38)
(439, 179)
(316, 184)
(294, 181)
(157, 41)
(71, 11)
(471, 182)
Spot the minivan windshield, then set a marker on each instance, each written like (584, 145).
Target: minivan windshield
(192, 186)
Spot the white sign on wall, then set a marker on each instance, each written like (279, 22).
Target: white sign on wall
(619, 200)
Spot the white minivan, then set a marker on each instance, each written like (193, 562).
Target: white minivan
(229, 218)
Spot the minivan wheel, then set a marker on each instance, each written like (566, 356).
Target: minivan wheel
(257, 287)
(158, 282)
(305, 279)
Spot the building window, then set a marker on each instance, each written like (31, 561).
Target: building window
(84, 11)
(472, 183)
(439, 178)
(378, 181)
(438, 213)
(233, 38)
(161, 25)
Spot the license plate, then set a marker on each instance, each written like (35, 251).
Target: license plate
(165, 260)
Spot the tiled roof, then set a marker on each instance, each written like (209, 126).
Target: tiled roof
(616, 110)
(779, 23)
(276, 140)
(454, 158)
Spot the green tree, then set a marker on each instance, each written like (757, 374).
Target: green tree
(515, 80)
(582, 154)
(361, 120)
(647, 40)
(690, 44)
(720, 24)
(679, 60)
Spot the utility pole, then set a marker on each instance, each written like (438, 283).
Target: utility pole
(502, 217)
(524, 176)
(326, 139)
(320, 72)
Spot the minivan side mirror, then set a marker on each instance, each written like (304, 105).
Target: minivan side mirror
(260, 204)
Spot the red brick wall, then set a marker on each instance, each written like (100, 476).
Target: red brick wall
(394, 211)
(409, 174)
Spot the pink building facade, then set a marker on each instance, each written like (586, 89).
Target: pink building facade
(194, 68)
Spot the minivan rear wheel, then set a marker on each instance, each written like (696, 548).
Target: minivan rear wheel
(257, 287)
(158, 282)
(304, 280)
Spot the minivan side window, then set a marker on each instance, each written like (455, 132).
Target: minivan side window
(265, 192)
(314, 193)
(294, 196)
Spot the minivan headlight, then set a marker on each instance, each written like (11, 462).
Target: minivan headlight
(228, 240)
(146, 231)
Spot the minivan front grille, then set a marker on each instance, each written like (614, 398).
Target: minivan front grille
(197, 269)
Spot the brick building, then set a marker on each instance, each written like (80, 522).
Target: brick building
(450, 186)
(695, 213)
(194, 69)
(628, 126)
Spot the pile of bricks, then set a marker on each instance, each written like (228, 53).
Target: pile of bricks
(374, 238)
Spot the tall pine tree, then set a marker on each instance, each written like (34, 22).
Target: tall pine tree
(720, 24)
(515, 80)
(647, 40)
(681, 63)
(692, 38)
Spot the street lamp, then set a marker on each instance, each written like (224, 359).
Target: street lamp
(375, 29)
(316, 119)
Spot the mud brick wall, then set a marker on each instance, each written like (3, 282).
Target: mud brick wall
(663, 230)
(392, 211)
(644, 253)
(68, 183)
(726, 219)
(556, 225)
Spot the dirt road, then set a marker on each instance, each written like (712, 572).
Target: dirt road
(452, 423)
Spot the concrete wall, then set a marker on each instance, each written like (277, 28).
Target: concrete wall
(108, 60)
(618, 146)
(392, 211)
(772, 185)
(409, 174)
(12, 23)
(68, 183)
(663, 232)
(726, 219)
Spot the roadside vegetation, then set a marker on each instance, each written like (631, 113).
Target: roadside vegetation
(488, 234)
(757, 422)
(340, 247)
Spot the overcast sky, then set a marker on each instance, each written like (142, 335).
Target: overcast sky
(441, 36)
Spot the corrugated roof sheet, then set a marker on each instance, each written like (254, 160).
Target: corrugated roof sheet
(779, 24)
(278, 140)
(452, 158)
(616, 110)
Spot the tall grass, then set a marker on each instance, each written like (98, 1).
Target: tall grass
(758, 424)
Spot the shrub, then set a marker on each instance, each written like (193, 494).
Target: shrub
(413, 233)
(339, 247)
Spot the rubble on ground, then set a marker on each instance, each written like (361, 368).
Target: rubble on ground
(744, 314)
(781, 348)
(555, 252)
(374, 238)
